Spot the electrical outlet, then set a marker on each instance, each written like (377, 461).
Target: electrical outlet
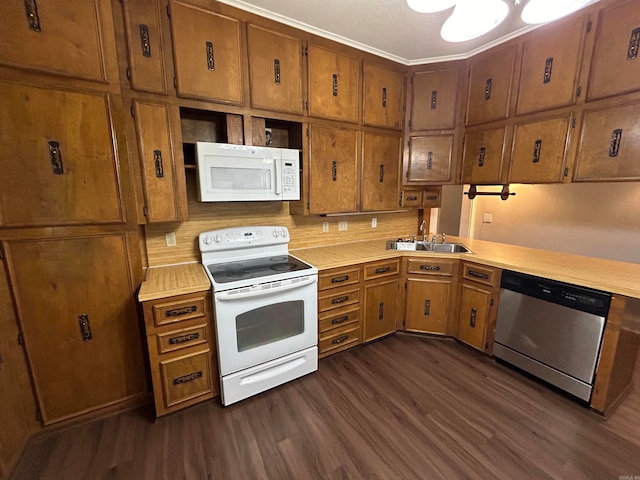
(325, 227)
(374, 222)
(487, 218)
(342, 226)
(170, 239)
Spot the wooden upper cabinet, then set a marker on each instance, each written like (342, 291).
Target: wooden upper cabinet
(159, 147)
(333, 85)
(433, 100)
(484, 156)
(275, 70)
(143, 26)
(430, 159)
(333, 175)
(59, 162)
(61, 37)
(540, 151)
(380, 166)
(610, 145)
(207, 54)
(550, 65)
(490, 80)
(383, 96)
(615, 65)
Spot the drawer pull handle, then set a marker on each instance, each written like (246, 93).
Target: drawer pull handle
(427, 307)
(341, 279)
(434, 99)
(537, 148)
(429, 160)
(431, 197)
(157, 161)
(276, 71)
(340, 339)
(614, 144)
(85, 327)
(483, 150)
(430, 268)
(383, 269)
(184, 338)
(340, 299)
(187, 378)
(31, 9)
(176, 312)
(548, 65)
(145, 43)
(384, 96)
(487, 89)
(335, 85)
(342, 319)
(472, 318)
(411, 198)
(634, 44)
(380, 310)
(55, 157)
(381, 173)
(473, 273)
(211, 61)
(334, 171)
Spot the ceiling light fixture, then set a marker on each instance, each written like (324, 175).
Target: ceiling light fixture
(542, 11)
(430, 6)
(472, 18)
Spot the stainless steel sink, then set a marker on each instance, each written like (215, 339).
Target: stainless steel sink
(420, 246)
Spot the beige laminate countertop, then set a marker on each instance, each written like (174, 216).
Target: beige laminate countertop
(160, 282)
(607, 275)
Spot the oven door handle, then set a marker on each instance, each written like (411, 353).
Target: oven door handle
(229, 295)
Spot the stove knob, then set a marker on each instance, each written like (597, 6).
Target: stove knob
(275, 233)
(217, 239)
(283, 232)
(206, 240)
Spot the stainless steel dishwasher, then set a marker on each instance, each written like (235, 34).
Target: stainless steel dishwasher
(552, 330)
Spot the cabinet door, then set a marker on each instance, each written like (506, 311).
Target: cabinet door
(275, 70)
(610, 145)
(433, 100)
(334, 176)
(615, 65)
(59, 163)
(206, 52)
(380, 309)
(143, 26)
(333, 85)
(380, 165)
(475, 308)
(383, 96)
(162, 171)
(539, 151)
(490, 79)
(79, 320)
(427, 305)
(550, 65)
(429, 159)
(483, 157)
(57, 36)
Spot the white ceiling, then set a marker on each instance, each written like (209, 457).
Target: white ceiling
(388, 28)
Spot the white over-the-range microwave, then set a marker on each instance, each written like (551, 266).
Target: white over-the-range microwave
(238, 173)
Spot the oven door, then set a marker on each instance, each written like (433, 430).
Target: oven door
(261, 323)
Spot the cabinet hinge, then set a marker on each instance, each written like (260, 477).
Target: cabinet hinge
(38, 416)
(128, 74)
(409, 124)
(491, 303)
(573, 122)
(1, 253)
(307, 131)
(145, 211)
(579, 91)
(305, 50)
(589, 26)
(308, 206)
(175, 82)
(19, 339)
(168, 11)
(133, 112)
(1, 360)
(566, 171)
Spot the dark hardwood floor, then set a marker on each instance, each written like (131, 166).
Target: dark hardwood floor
(405, 407)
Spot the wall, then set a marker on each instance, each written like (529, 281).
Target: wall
(595, 219)
(304, 231)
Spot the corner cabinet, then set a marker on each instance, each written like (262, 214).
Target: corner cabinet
(383, 96)
(433, 100)
(430, 160)
(381, 294)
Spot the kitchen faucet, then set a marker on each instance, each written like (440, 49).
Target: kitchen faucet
(423, 230)
(442, 235)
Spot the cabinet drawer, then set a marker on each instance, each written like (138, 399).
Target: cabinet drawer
(427, 266)
(338, 318)
(340, 340)
(177, 339)
(382, 269)
(410, 198)
(186, 377)
(166, 313)
(339, 298)
(480, 274)
(338, 278)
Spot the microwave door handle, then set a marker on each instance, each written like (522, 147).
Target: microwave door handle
(276, 174)
(227, 296)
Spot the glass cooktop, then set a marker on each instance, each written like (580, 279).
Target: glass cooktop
(255, 268)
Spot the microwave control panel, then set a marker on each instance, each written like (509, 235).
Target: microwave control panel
(290, 186)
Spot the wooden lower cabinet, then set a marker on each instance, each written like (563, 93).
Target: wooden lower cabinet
(182, 354)
(479, 306)
(339, 326)
(381, 298)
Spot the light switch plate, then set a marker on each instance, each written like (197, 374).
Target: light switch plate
(487, 218)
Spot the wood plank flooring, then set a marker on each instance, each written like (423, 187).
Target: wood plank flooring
(405, 407)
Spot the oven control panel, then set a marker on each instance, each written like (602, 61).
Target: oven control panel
(232, 238)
